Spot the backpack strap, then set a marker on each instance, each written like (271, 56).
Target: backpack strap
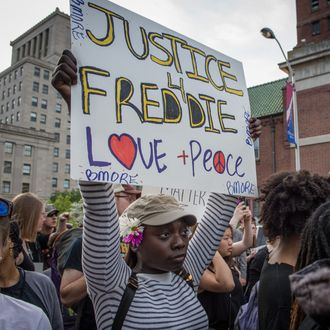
(129, 294)
(187, 277)
(125, 302)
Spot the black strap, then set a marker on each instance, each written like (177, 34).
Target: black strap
(129, 294)
(125, 302)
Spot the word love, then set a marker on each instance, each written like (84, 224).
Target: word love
(125, 150)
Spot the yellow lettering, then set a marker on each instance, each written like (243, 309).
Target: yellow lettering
(209, 99)
(224, 75)
(195, 75)
(208, 59)
(223, 116)
(169, 60)
(86, 89)
(146, 103)
(144, 40)
(124, 92)
(174, 41)
(110, 36)
(172, 107)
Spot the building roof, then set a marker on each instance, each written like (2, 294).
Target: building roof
(267, 99)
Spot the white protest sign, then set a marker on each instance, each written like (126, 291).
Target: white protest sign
(193, 200)
(153, 107)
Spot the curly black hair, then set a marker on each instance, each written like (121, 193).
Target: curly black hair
(289, 200)
(315, 245)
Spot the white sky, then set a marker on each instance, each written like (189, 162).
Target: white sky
(229, 26)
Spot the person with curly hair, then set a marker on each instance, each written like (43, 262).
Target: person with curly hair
(315, 248)
(289, 199)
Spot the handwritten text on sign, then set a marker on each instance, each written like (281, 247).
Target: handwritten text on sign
(156, 108)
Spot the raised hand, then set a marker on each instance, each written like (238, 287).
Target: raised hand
(65, 75)
(255, 127)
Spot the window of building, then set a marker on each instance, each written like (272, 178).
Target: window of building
(6, 187)
(15, 74)
(257, 149)
(55, 167)
(316, 29)
(27, 150)
(9, 147)
(37, 71)
(58, 95)
(14, 89)
(7, 167)
(44, 104)
(13, 103)
(6, 120)
(3, 95)
(18, 116)
(7, 106)
(20, 86)
(67, 153)
(66, 184)
(58, 107)
(315, 5)
(4, 81)
(46, 74)
(26, 169)
(67, 169)
(2, 109)
(56, 152)
(12, 118)
(21, 71)
(44, 89)
(68, 138)
(34, 102)
(19, 101)
(57, 137)
(57, 123)
(33, 116)
(54, 182)
(8, 91)
(43, 118)
(25, 187)
(35, 86)
(9, 77)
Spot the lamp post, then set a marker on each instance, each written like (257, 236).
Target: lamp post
(269, 34)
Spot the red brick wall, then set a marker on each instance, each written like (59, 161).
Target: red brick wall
(314, 111)
(305, 16)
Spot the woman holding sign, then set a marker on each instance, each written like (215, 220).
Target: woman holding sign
(158, 288)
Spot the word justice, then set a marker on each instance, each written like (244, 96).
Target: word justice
(169, 45)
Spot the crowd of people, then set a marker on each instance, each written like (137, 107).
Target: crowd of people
(176, 271)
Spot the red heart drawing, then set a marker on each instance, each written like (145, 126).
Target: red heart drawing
(123, 147)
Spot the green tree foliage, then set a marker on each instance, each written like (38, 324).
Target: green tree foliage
(69, 201)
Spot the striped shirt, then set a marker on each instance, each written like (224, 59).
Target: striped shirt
(165, 301)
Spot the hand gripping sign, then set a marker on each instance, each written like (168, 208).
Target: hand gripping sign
(153, 107)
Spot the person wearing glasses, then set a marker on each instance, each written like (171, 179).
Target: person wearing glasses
(31, 287)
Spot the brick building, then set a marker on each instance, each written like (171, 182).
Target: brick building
(310, 60)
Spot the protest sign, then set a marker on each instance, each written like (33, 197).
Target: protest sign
(153, 107)
(193, 201)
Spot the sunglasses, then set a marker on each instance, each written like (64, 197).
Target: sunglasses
(6, 208)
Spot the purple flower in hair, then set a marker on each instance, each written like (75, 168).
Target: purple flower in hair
(130, 231)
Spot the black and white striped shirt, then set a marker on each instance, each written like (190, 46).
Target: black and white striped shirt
(161, 302)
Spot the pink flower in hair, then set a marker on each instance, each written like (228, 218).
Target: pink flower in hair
(130, 231)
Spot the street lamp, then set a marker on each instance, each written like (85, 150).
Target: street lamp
(269, 34)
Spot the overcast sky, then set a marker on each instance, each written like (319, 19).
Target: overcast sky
(229, 26)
